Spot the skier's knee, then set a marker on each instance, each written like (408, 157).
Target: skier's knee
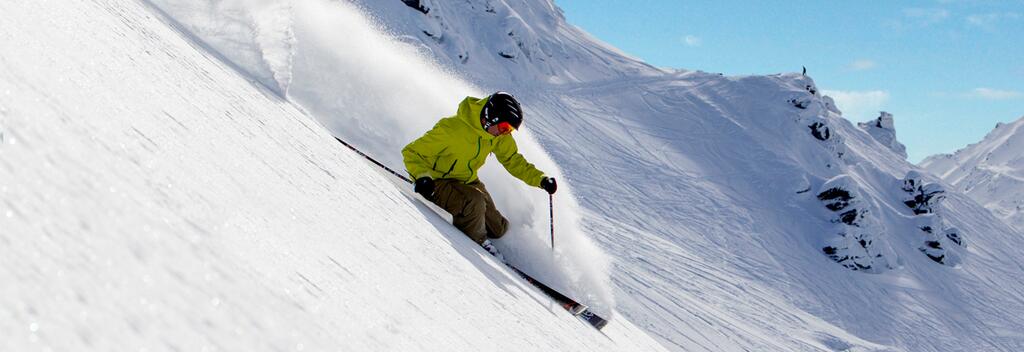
(474, 206)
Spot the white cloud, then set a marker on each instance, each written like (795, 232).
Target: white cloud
(990, 21)
(994, 94)
(859, 105)
(862, 65)
(982, 20)
(691, 40)
(926, 16)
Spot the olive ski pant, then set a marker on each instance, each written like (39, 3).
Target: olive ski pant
(471, 207)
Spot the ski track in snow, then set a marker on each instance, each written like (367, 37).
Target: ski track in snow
(680, 208)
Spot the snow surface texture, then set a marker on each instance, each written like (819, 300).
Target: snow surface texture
(990, 171)
(151, 198)
(883, 129)
(705, 189)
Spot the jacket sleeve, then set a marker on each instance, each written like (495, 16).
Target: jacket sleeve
(507, 152)
(420, 155)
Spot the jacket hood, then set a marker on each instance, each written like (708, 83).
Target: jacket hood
(469, 112)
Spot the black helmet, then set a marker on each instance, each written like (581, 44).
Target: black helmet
(502, 107)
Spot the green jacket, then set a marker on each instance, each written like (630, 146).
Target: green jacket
(458, 146)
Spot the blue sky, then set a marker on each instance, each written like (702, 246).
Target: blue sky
(947, 70)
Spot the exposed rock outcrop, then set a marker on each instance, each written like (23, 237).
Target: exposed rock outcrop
(923, 198)
(854, 244)
(883, 130)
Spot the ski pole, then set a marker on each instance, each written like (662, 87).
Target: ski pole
(551, 212)
(406, 179)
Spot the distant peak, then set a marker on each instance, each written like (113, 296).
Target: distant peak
(884, 120)
(883, 130)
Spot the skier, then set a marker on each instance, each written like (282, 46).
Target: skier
(445, 160)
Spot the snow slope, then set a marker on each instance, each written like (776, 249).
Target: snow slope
(990, 171)
(705, 190)
(155, 199)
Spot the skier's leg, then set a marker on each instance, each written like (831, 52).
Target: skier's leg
(495, 223)
(466, 204)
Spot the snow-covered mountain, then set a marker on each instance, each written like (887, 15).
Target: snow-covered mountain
(713, 213)
(743, 213)
(991, 171)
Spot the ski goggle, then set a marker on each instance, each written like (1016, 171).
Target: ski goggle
(505, 128)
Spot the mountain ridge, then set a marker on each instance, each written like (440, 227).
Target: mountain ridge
(990, 171)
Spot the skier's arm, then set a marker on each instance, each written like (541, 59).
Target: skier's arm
(507, 152)
(420, 155)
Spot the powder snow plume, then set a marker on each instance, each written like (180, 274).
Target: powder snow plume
(378, 92)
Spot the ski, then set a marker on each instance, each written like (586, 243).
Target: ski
(595, 320)
(569, 304)
(575, 308)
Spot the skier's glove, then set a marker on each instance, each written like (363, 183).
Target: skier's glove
(425, 187)
(548, 184)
